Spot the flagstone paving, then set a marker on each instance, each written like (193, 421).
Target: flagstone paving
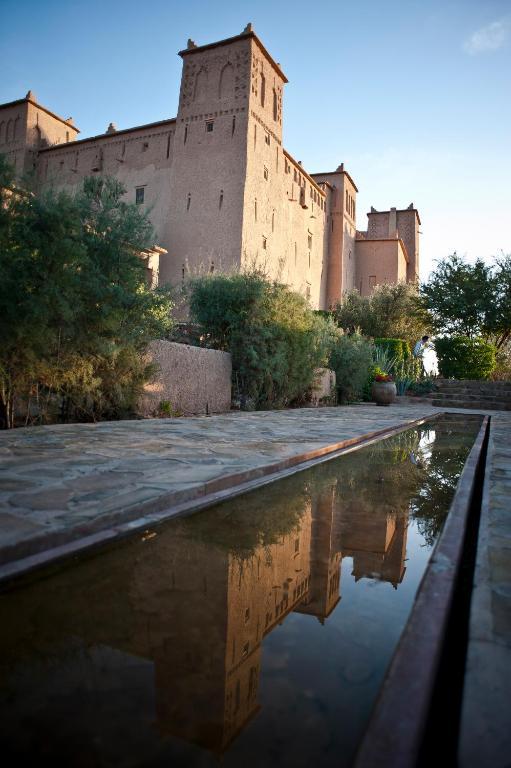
(65, 481)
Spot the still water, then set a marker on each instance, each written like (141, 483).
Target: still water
(256, 633)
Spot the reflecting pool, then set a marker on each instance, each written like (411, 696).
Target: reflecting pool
(255, 633)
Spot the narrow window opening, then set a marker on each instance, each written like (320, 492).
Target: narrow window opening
(296, 252)
(183, 272)
(221, 200)
(273, 222)
(139, 195)
(255, 135)
(209, 126)
(263, 89)
(233, 125)
(145, 146)
(168, 146)
(267, 138)
(212, 267)
(265, 173)
(186, 134)
(188, 201)
(255, 210)
(275, 110)
(264, 243)
(309, 241)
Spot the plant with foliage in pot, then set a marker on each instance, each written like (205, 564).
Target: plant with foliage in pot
(383, 389)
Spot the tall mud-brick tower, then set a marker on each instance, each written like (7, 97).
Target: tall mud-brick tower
(220, 88)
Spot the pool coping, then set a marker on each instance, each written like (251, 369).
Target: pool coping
(394, 735)
(23, 558)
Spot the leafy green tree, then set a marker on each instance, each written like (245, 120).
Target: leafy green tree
(470, 299)
(391, 311)
(75, 311)
(275, 339)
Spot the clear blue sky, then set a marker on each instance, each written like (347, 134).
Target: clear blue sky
(414, 96)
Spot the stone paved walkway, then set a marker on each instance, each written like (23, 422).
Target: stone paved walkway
(486, 717)
(65, 481)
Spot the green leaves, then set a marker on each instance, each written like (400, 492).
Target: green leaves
(470, 299)
(75, 311)
(461, 357)
(275, 339)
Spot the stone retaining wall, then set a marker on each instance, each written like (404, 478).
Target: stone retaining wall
(190, 380)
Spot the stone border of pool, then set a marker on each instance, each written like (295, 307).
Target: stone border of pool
(401, 715)
(20, 560)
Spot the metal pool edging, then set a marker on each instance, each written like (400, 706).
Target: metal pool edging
(58, 547)
(395, 735)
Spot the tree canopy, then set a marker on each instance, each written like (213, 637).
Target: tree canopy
(391, 311)
(470, 299)
(75, 310)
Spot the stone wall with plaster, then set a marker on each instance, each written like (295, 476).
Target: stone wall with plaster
(192, 379)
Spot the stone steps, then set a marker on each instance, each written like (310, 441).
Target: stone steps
(480, 405)
(466, 393)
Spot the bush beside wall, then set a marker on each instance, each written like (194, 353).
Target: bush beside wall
(460, 357)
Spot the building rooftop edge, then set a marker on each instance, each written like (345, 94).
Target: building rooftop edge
(44, 109)
(69, 144)
(302, 170)
(337, 173)
(399, 210)
(227, 41)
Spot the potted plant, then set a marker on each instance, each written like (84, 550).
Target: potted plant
(383, 389)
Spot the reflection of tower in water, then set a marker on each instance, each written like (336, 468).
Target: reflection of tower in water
(220, 608)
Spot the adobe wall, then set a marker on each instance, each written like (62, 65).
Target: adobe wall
(340, 235)
(13, 123)
(379, 261)
(138, 158)
(192, 379)
(208, 171)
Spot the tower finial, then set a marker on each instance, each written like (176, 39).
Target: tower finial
(31, 95)
(191, 44)
(248, 28)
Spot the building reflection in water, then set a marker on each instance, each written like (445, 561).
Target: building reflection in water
(206, 628)
(199, 598)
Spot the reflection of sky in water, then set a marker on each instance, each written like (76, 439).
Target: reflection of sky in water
(165, 651)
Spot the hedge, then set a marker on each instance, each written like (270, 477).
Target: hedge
(460, 357)
(397, 348)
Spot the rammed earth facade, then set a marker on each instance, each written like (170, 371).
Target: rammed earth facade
(220, 189)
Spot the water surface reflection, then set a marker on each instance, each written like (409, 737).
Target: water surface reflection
(225, 634)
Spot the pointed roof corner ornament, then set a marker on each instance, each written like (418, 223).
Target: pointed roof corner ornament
(191, 43)
(248, 28)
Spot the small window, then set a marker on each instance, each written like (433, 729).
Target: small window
(297, 545)
(186, 134)
(209, 126)
(188, 201)
(265, 243)
(309, 240)
(139, 195)
(233, 128)
(267, 138)
(247, 615)
(265, 173)
(221, 200)
(255, 210)
(145, 146)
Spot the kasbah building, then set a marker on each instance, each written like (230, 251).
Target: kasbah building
(220, 189)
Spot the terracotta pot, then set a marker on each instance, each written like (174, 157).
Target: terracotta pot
(383, 392)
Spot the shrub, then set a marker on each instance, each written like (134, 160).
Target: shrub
(275, 339)
(351, 359)
(460, 357)
(397, 348)
(391, 311)
(76, 313)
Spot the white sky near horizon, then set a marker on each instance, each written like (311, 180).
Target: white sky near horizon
(413, 96)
